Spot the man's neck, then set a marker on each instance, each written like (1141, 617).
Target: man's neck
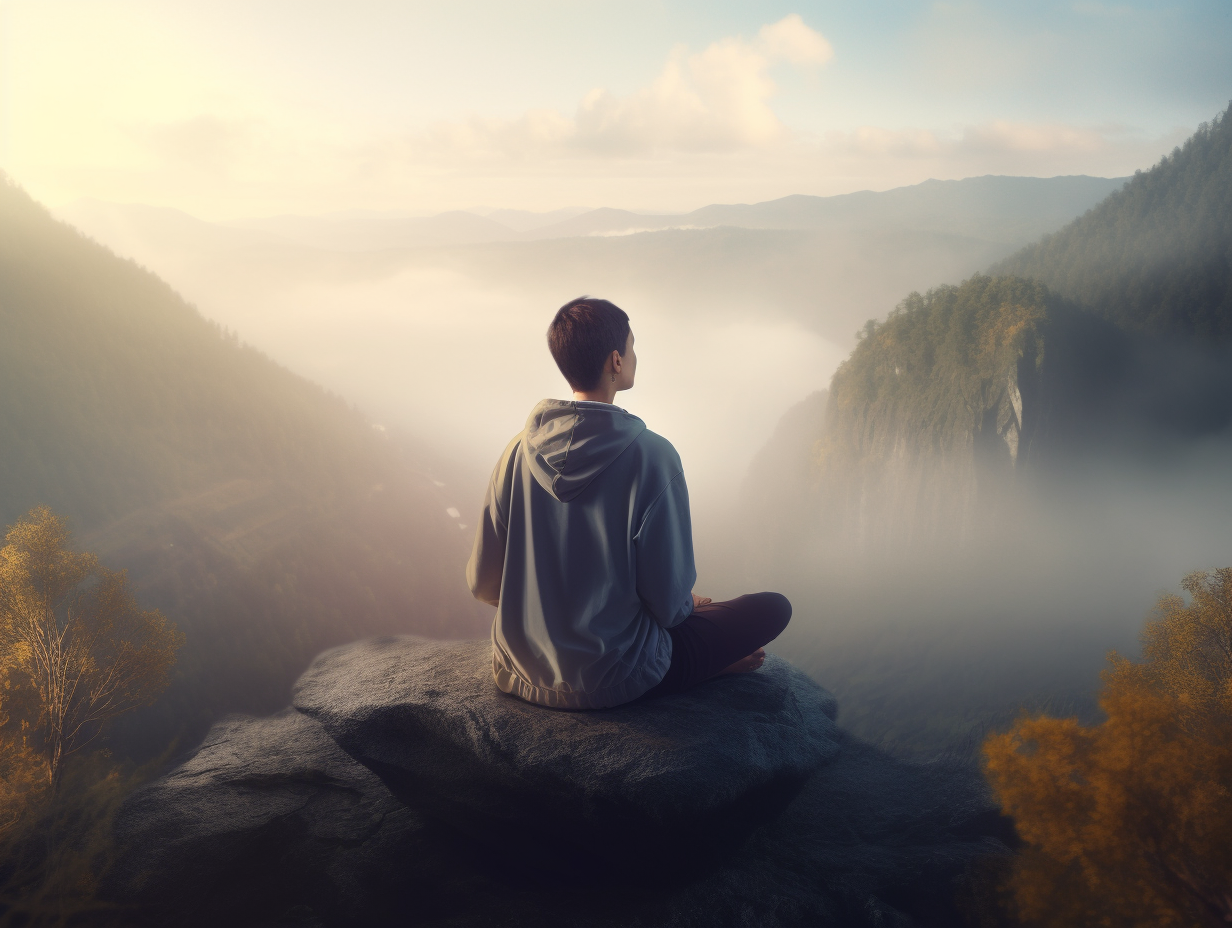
(604, 393)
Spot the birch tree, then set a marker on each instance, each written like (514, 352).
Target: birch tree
(73, 634)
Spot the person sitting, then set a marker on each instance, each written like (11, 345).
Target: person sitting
(585, 545)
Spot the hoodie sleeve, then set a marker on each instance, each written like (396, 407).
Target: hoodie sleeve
(665, 570)
(487, 564)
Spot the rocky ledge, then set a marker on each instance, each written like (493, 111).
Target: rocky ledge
(641, 787)
(403, 788)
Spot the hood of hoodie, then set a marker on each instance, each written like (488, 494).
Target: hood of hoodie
(568, 443)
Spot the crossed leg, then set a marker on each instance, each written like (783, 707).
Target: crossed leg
(726, 637)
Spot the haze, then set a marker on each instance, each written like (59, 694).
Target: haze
(232, 109)
(393, 199)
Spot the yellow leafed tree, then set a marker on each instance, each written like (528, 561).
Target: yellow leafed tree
(77, 649)
(23, 772)
(1129, 822)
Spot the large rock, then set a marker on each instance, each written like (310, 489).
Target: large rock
(271, 822)
(267, 817)
(674, 782)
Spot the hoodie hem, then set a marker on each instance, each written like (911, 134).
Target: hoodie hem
(507, 681)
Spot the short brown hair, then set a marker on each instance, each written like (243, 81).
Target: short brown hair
(583, 335)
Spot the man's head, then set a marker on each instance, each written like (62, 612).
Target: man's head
(583, 336)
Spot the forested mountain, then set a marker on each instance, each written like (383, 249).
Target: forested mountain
(1009, 467)
(1155, 257)
(950, 381)
(1105, 342)
(266, 518)
(967, 394)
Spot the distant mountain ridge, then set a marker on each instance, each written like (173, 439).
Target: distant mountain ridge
(823, 263)
(974, 206)
(1003, 209)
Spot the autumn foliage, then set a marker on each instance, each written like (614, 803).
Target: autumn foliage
(1129, 822)
(75, 651)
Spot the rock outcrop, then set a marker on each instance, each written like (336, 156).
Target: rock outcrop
(403, 788)
(638, 787)
(266, 804)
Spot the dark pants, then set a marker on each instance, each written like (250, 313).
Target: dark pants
(717, 635)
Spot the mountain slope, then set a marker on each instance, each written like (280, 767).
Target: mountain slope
(1009, 469)
(1104, 345)
(1156, 257)
(267, 518)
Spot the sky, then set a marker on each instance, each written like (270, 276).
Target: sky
(232, 110)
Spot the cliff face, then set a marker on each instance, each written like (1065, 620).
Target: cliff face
(936, 412)
(403, 788)
(949, 414)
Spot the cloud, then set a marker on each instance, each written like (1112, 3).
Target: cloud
(534, 133)
(791, 40)
(702, 129)
(990, 139)
(716, 100)
(878, 141)
(1001, 135)
(539, 162)
(204, 143)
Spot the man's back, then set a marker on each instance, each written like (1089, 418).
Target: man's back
(585, 547)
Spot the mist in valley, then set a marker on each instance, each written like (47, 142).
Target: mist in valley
(934, 301)
(434, 328)
(928, 648)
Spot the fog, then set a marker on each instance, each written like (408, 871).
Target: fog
(929, 646)
(462, 365)
(436, 324)
(925, 647)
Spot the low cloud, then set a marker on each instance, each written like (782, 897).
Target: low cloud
(993, 139)
(715, 104)
(1001, 135)
(877, 141)
(703, 129)
(713, 101)
(205, 143)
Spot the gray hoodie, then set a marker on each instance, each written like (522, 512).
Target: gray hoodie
(585, 548)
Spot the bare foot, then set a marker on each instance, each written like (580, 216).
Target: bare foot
(745, 664)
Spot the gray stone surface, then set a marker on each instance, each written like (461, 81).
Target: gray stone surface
(267, 815)
(471, 808)
(680, 777)
(869, 841)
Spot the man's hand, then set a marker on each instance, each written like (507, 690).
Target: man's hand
(700, 600)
